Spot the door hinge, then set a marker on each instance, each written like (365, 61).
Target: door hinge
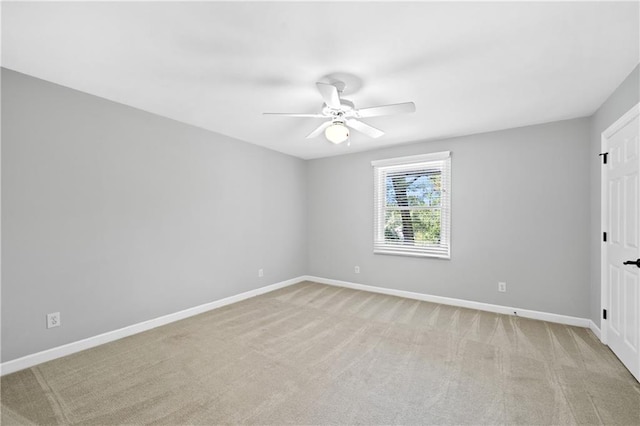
(604, 157)
(604, 314)
(604, 237)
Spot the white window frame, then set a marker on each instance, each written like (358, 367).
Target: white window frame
(438, 161)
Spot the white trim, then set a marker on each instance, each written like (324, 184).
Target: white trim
(604, 147)
(437, 162)
(412, 254)
(604, 299)
(595, 329)
(622, 121)
(90, 342)
(412, 159)
(526, 313)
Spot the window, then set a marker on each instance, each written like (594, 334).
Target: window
(412, 205)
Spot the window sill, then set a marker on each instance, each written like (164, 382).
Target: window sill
(413, 254)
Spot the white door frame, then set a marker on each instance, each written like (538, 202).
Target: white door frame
(604, 215)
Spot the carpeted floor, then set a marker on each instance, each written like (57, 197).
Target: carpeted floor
(316, 354)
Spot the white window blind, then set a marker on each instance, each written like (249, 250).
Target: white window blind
(412, 205)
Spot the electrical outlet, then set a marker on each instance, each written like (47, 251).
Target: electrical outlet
(357, 269)
(502, 287)
(260, 273)
(53, 320)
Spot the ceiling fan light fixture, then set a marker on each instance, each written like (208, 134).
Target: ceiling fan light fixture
(337, 133)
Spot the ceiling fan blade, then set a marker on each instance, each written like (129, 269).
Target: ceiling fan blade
(386, 110)
(287, 114)
(370, 131)
(317, 132)
(330, 94)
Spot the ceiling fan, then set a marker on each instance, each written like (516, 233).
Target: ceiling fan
(342, 114)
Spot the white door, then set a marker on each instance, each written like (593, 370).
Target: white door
(621, 254)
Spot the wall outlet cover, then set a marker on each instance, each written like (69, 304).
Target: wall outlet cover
(53, 320)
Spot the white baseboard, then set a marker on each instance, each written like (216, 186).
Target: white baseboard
(595, 329)
(90, 342)
(526, 313)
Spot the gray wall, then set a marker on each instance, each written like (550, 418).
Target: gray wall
(520, 214)
(621, 100)
(112, 216)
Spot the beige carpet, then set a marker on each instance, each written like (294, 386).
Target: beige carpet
(316, 354)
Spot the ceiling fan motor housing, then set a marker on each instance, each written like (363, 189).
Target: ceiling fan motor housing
(346, 107)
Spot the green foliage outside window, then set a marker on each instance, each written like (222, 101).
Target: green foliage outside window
(425, 223)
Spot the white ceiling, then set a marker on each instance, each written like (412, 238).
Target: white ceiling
(469, 67)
